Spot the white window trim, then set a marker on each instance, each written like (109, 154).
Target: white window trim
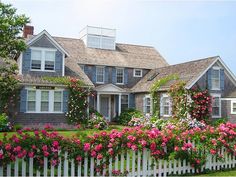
(123, 76)
(145, 106)
(134, 74)
(170, 105)
(217, 95)
(103, 74)
(38, 101)
(218, 69)
(43, 50)
(232, 103)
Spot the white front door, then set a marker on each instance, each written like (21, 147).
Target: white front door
(105, 105)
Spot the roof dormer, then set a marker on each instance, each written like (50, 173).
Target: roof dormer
(98, 37)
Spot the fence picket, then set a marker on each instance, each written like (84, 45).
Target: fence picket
(155, 169)
(116, 162)
(92, 166)
(59, 167)
(1, 170)
(133, 163)
(149, 164)
(98, 164)
(127, 162)
(16, 167)
(8, 170)
(66, 169)
(79, 169)
(45, 166)
(72, 169)
(52, 170)
(31, 166)
(122, 159)
(86, 166)
(139, 163)
(110, 167)
(160, 168)
(104, 169)
(23, 170)
(38, 173)
(144, 165)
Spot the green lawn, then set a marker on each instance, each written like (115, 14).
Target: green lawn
(81, 133)
(221, 173)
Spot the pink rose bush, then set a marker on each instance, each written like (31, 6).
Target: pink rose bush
(193, 145)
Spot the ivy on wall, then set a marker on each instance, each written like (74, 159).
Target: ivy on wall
(154, 92)
(77, 100)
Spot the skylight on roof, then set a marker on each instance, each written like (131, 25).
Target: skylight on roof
(153, 76)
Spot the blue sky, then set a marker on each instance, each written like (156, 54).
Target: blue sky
(179, 30)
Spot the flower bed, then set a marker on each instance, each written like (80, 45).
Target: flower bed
(171, 142)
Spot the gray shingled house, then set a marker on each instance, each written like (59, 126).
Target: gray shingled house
(118, 73)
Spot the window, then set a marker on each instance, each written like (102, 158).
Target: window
(41, 101)
(215, 79)
(100, 74)
(57, 101)
(147, 105)
(165, 105)
(233, 107)
(94, 41)
(138, 73)
(108, 43)
(124, 102)
(36, 57)
(120, 75)
(31, 100)
(44, 101)
(216, 106)
(82, 67)
(49, 60)
(43, 59)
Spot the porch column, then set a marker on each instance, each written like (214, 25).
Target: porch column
(98, 102)
(119, 105)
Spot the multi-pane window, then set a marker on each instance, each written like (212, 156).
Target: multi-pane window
(57, 101)
(120, 75)
(233, 107)
(165, 105)
(216, 106)
(138, 73)
(124, 102)
(100, 74)
(43, 59)
(93, 41)
(31, 100)
(36, 59)
(147, 105)
(49, 60)
(215, 79)
(44, 101)
(107, 43)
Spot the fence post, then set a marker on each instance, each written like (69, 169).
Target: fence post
(66, 165)
(16, 167)
(110, 166)
(23, 172)
(86, 165)
(31, 166)
(59, 165)
(127, 161)
(91, 166)
(52, 170)
(144, 162)
(139, 163)
(79, 169)
(45, 166)
(8, 170)
(122, 163)
(72, 173)
(133, 163)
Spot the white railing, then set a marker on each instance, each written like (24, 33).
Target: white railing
(135, 163)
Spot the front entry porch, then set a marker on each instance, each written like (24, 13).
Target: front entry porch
(110, 101)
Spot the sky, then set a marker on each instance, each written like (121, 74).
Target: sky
(180, 30)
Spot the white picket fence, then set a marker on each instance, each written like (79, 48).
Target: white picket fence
(135, 163)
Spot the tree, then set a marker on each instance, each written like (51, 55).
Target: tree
(11, 26)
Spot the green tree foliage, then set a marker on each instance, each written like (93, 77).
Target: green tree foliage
(11, 26)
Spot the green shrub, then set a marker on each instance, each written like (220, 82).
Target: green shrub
(5, 125)
(218, 121)
(97, 121)
(18, 127)
(127, 115)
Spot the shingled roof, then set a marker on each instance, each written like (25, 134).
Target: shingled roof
(187, 72)
(125, 55)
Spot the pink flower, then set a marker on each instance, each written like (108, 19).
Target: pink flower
(55, 144)
(44, 132)
(1, 155)
(99, 156)
(54, 162)
(33, 147)
(98, 147)
(176, 148)
(212, 151)
(111, 151)
(153, 146)
(8, 147)
(134, 147)
(79, 158)
(46, 154)
(45, 148)
(143, 143)
(197, 161)
(131, 138)
(31, 154)
(86, 147)
(93, 153)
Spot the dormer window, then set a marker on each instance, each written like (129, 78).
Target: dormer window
(43, 59)
(138, 72)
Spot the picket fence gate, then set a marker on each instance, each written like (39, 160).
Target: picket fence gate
(138, 163)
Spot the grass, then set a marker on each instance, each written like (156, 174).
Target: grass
(80, 133)
(221, 173)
